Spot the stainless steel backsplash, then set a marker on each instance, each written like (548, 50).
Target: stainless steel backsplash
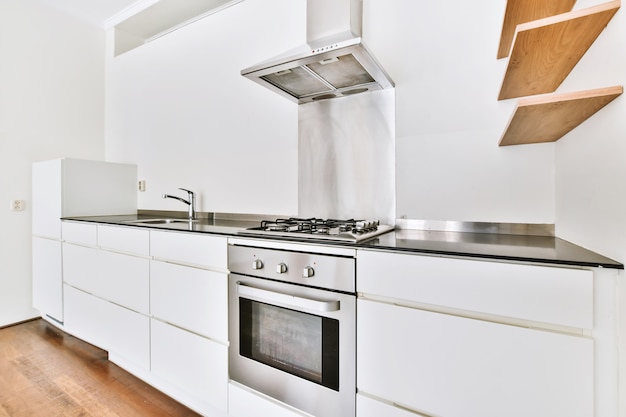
(346, 157)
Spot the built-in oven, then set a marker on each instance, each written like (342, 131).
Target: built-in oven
(292, 327)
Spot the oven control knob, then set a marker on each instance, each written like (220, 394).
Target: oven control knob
(281, 268)
(257, 264)
(308, 272)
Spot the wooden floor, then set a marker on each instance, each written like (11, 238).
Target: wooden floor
(45, 372)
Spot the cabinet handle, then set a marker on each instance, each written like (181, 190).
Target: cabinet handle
(286, 299)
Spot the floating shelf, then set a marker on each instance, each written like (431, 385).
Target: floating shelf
(524, 11)
(547, 118)
(545, 51)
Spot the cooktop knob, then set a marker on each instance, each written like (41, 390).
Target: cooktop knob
(281, 268)
(257, 264)
(308, 272)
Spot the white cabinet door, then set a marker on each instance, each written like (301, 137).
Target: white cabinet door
(108, 326)
(80, 266)
(124, 280)
(243, 402)
(124, 239)
(80, 233)
(48, 277)
(47, 199)
(546, 294)
(457, 367)
(192, 298)
(190, 248)
(196, 365)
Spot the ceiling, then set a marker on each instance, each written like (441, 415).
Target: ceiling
(94, 11)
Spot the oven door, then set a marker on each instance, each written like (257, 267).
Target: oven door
(295, 344)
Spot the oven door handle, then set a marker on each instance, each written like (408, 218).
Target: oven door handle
(288, 300)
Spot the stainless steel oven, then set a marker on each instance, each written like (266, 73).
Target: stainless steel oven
(292, 325)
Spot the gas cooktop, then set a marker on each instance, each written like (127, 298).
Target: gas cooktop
(325, 229)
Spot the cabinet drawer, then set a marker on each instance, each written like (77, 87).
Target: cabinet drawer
(108, 326)
(194, 249)
(124, 239)
(80, 233)
(244, 402)
(195, 299)
(456, 367)
(124, 280)
(539, 293)
(80, 266)
(194, 364)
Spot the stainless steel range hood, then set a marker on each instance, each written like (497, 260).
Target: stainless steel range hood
(333, 63)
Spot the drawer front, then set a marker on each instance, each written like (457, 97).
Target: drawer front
(243, 402)
(457, 367)
(80, 233)
(124, 239)
(194, 364)
(80, 266)
(195, 299)
(190, 248)
(108, 326)
(124, 280)
(539, 293)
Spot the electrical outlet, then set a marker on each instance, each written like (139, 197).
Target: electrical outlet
(142, 185)
(17, 205)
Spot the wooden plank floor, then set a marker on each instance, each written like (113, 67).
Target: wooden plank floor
(45, 372)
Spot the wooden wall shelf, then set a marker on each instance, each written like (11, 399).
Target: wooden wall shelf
(524, 11)
(545, 51)
(547, 118)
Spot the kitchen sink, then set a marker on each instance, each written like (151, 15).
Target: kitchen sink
(160, 221)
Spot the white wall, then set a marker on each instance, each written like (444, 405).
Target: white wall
(442, 57)
(179, 108)
(51, 105)
(590, 160)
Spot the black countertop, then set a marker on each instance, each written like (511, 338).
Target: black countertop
(519, 248)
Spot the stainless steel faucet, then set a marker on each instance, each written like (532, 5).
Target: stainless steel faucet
(191, 202)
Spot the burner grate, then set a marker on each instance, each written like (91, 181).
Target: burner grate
(315, 225)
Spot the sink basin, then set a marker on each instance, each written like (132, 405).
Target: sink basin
(160, 221)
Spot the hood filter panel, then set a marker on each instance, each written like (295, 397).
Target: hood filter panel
(297, 81)
(322, 76)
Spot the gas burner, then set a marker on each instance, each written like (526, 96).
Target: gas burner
(316, 228)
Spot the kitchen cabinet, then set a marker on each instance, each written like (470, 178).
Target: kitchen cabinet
(70, 187)
(245, 402)
(188, 299)
(47, 277)
(124, 333)
(500, 339)
(193, 364)
(191, 298)
(157, 301)
(107, 293)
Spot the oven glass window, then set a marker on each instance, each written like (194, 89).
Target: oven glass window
(299, 343)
